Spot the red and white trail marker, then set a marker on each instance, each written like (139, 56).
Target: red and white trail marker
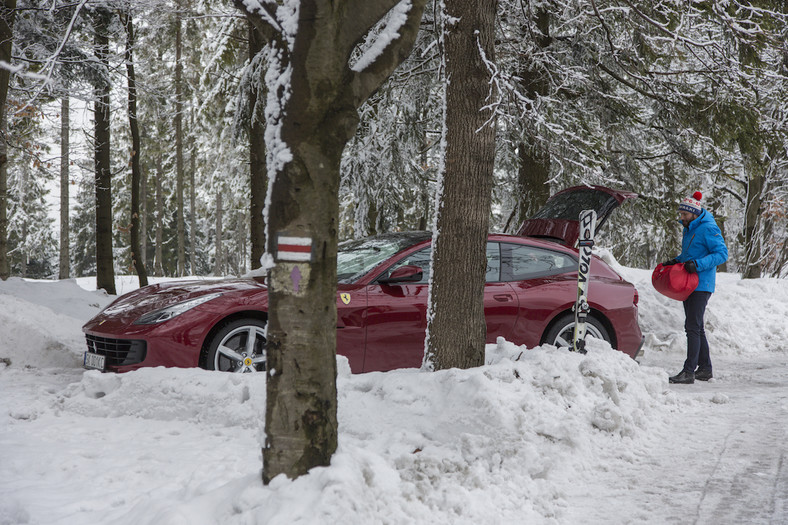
(296, 249)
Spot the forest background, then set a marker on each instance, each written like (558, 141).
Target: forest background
(661, 98)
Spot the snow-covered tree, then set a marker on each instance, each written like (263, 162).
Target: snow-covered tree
(314, 93)
(83, 229)
(662, 98)
(31, 239)
(456, 336)
(7, 16)
(390, 165)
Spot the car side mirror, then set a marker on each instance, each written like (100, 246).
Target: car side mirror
(404, 274)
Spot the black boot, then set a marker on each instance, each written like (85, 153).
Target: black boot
(683, 378)
(703, 374)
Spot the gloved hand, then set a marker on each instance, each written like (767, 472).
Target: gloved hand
(690, 267)
(670, 262)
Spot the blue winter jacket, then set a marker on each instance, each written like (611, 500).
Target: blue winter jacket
(703, 243)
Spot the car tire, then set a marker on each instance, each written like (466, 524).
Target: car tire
(561, 331)
(230, 349)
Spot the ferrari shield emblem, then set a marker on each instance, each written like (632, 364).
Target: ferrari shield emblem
(345, 297)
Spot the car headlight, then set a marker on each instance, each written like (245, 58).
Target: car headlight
(165, 314)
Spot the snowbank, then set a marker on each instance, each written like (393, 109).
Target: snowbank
(518, 440)
(741, 316)
(40, 321)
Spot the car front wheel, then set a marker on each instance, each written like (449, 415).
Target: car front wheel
(562, 331)
(239, 346)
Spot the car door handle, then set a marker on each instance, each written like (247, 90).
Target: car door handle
(503, 297)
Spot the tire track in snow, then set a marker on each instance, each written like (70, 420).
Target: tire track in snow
(748, 482)
(744, 485)
(718, 459)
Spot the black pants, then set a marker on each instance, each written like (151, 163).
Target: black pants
(697, 346)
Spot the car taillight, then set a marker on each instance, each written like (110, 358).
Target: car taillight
(637, 298)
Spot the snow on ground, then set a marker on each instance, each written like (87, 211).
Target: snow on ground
(536, 436)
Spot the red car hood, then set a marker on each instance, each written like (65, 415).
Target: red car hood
(129, 307)
(558, 219)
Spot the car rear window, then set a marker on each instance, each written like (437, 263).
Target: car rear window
(567, 206)
(520, 262)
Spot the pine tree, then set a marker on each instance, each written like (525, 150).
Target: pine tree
(83, 229)
(31, 239)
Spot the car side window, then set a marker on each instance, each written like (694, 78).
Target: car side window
(421, 259)
(493, 274)
(519, 262)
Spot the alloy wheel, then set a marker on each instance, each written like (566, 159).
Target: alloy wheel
(241, 350)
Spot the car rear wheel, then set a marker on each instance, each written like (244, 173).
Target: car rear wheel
(238, 347)
(563, 330)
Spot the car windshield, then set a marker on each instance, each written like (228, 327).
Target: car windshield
(356, 258)
(568, 205)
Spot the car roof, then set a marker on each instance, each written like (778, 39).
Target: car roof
(404, 239)
(411, 241)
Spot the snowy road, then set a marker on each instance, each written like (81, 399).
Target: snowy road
(721, 459)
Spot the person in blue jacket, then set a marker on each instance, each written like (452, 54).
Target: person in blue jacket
(702, 250)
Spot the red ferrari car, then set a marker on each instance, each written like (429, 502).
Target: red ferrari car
(381, 301)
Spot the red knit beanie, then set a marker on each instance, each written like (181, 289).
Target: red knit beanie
(692, 204)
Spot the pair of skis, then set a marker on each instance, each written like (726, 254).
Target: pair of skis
(585, 242)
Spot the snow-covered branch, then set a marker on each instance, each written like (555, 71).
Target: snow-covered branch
(389, 50)
(49, 66)
(273, 19)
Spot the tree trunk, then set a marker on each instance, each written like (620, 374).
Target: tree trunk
(219, 260)
(301, 425)
(257, 165)
(423, 191)
(7, 13)
(24, 226)
(316, 121)
(5, 267)
(240, 243)
(716, 209)
(192, 214)
(105, 271)
(144, 218)
(65, 256)
(179, 144)
(158, 263)
(532, 187)
(456, 336)
(301, 408)
(136, 255)
(534, 171)
(752, 245)
(372, 217)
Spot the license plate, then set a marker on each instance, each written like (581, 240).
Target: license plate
(94, 361)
